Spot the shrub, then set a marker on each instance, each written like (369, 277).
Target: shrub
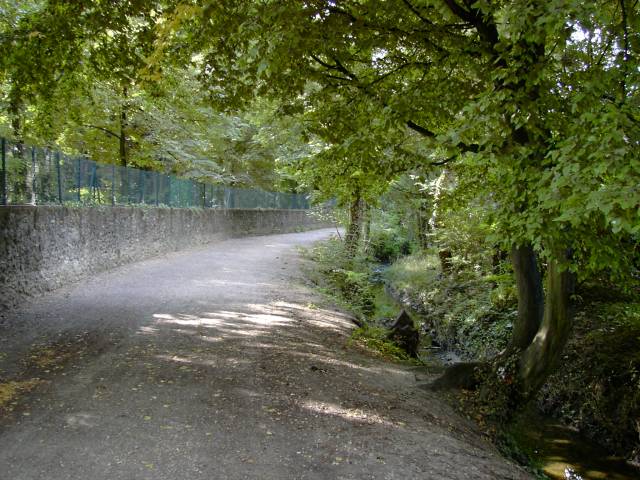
(465, 311)
(387, 245)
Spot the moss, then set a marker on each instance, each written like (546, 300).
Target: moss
(375, 339)
(10, 391)
(513, 443)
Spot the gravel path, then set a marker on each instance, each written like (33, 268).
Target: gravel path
(217, 363)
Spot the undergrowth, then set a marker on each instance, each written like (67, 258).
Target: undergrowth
(511, 445)
(351, 283)
(471, 309)
(467, 310)
(375, 338)
(597, 387)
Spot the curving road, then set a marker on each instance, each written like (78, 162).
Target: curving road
(216, 363)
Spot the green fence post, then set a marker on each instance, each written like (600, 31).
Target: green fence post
(94, 193)
(4, 171)
(127, 185)
(157, 185)
(34, 173)
(141, 185)
(113, 184)
(79, 180)
(59, 175)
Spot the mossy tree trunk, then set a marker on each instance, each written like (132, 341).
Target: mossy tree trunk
(541, 355)
(354, 231)
(539, 335)
(530, 296)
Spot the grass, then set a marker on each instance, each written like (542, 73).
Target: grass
(417, 272)
(385, 307)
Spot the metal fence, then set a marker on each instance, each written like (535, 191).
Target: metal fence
(41, 176)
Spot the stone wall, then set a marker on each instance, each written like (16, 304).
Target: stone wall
(45, 247)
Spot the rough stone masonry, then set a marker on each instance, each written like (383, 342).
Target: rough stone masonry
(45, 247)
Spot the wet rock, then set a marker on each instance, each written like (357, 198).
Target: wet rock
(405, 334)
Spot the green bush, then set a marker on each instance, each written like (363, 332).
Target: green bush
(387, 245)
(344, 278)
(356, 288)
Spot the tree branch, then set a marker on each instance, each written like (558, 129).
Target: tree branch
(105, 130)
(444, 162)
(396, 70)
(416, 12)
(341, 68)
(323, 63)
(625, 55)
(485, 26)
(386, 28)
(337, 66)
(460, 12)
(425, 132)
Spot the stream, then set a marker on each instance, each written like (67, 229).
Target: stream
(557, 448)
(559, 451)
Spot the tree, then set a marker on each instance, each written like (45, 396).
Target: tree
(533, 105)
(73, 74)
(493, 88)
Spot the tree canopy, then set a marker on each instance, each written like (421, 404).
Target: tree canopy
(538, 100)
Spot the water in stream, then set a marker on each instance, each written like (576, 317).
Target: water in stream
(557, 449)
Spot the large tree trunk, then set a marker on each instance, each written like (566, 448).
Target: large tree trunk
(541, 356)
(354, 231)
(539, 336)
(530, 296)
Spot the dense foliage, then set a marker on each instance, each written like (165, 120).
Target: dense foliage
(73, 75)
